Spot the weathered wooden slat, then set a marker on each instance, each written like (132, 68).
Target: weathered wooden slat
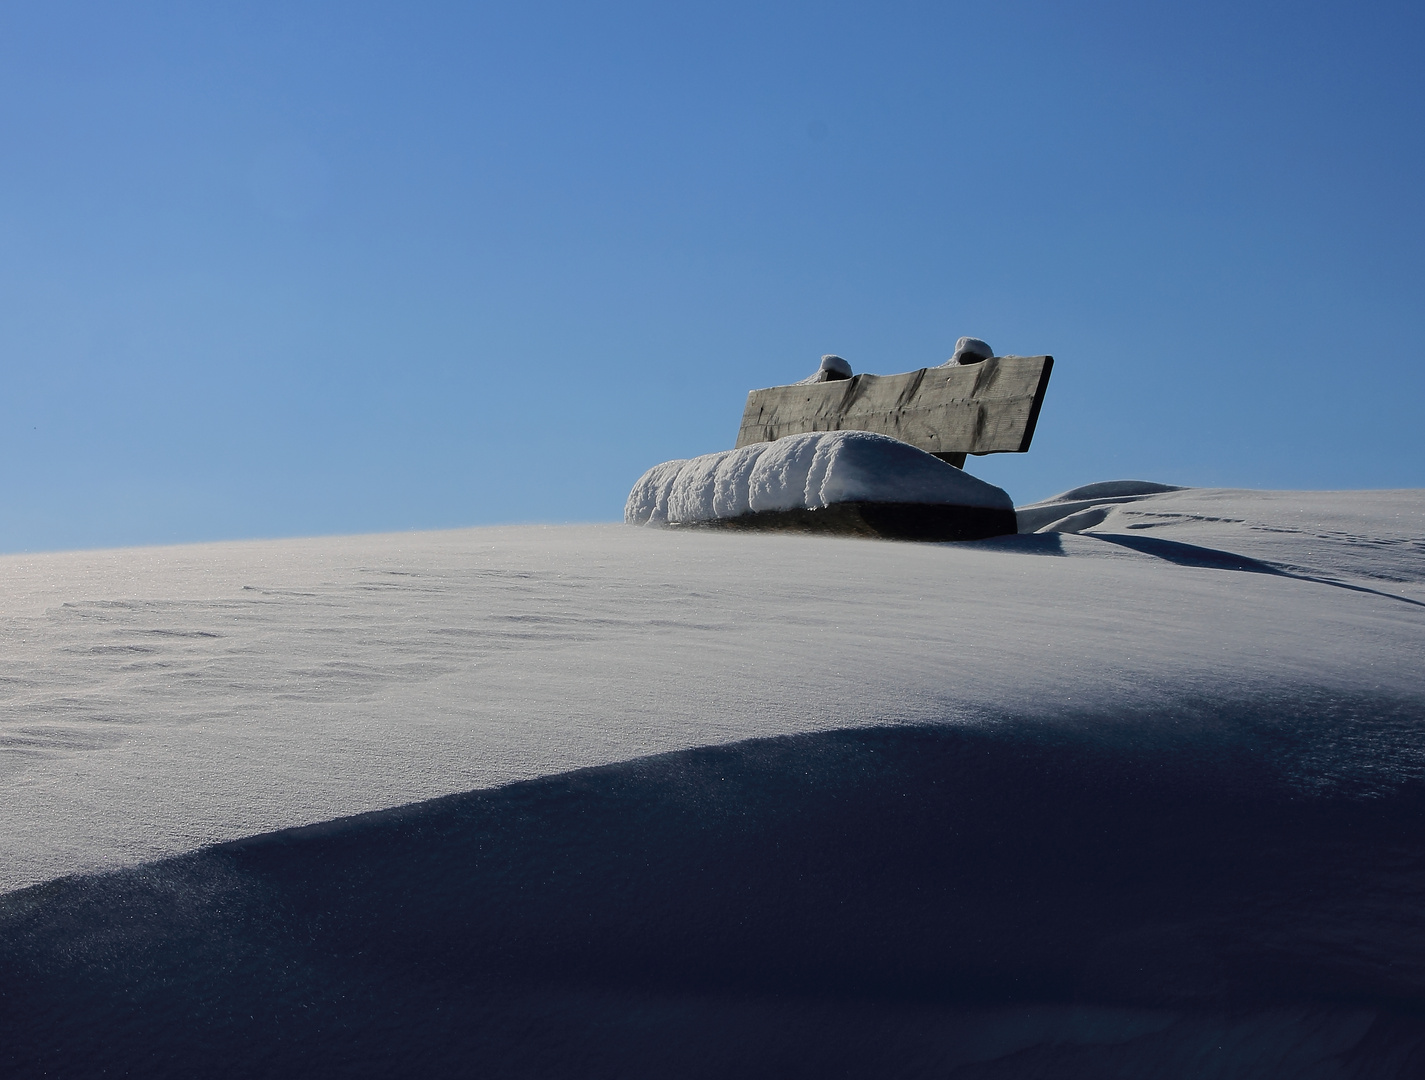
(985, 408)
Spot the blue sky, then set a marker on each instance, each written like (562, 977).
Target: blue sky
(287, 269)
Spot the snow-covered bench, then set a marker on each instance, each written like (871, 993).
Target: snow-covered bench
(856, 454)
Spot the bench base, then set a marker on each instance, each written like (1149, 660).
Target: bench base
(886, 521)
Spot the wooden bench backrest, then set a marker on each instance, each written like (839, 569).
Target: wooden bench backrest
(985, 408)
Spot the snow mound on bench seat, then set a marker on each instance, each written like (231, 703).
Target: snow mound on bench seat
(810, 471)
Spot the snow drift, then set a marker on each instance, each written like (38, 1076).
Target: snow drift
(1139, 793)
(803, 472)
(1165, 898)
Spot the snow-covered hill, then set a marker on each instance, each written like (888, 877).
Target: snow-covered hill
(1142, 792)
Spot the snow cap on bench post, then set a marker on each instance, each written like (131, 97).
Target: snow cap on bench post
(970, 350)
(832, 369)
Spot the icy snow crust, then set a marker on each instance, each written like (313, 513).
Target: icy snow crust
(802, 472)
(1139, 792)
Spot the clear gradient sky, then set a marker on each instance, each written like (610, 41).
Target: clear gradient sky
(294, 268)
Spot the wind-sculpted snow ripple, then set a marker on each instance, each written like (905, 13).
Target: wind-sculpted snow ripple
(1168, 895)
(1377, 535)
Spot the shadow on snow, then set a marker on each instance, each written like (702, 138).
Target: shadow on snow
(1217, 890)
